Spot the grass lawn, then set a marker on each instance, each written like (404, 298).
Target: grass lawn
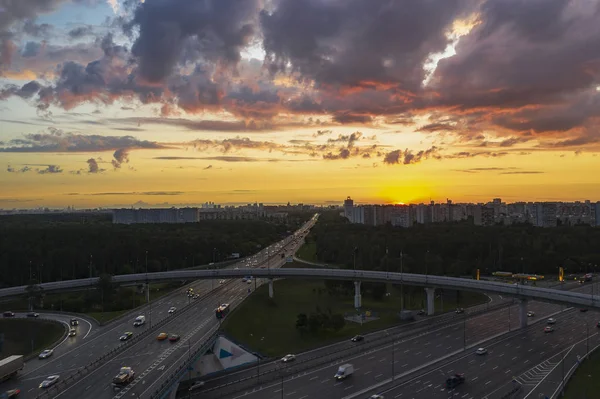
(308, 252)
(105, 317)
(585, 383)
(23, 336)
(269, 326)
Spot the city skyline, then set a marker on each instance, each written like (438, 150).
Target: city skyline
(417, 101)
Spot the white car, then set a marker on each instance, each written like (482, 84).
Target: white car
(481, 351)
(172, 309)
(221, 281)
(376, 397)
(551, 321)
(530, 314)
(49, 381)
(288, 358)
(46, 354)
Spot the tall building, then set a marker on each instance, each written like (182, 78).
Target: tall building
(483, 216)
(348, 209)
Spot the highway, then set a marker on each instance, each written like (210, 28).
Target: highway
(375, 365)
(193, 324)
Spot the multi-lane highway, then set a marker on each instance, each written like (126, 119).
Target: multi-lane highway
(191, 325)
(374, 366)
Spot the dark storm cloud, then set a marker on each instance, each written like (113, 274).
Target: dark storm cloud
(542, 52)
(58, 141)
(37, 30)
(436, 127)
(26, 91)
(217, 29)
(321, 39)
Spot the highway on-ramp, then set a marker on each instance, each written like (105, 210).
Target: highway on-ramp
(143, 353)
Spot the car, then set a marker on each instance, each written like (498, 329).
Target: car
(288, 358)
(376, 396)
(74, 322)
(174, 337)
(162, 336)
(172, 309)
(46, 354)
(598, 325)
(459, 310)
(49, 381)
(72, 332)
(481, 351)
(551, 321)
(583, 310)
(8, 313)
(421, 312)
(33, 314)
(12, 393)
(357, 338)
(221, 281)
(126, 335)
(530, 314)
(196, 296)
(455, 380)
(548, 329)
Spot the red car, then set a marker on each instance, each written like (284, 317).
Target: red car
(174, 337)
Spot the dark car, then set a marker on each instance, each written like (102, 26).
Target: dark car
(8, 313)
(33, 314)
(126, 336)
(174, 338)
(74, 322)
(598, 325)
(583, 310)
(357, 338)
(421, 312)
(455, 380)
(460, 310)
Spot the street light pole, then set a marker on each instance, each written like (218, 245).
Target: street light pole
(354, 257)
(401, 281)
(393, 354)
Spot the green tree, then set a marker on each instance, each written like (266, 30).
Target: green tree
(302, 323)
(337, 322)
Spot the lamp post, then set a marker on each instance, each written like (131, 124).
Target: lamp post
(401, 281)
(148, 293)
(354, 256)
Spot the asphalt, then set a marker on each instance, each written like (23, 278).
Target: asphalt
(374, 366)
(191, 325)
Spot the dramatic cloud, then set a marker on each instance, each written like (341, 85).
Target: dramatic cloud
(93, 166)
(58, 141)
(181, 31)
(51, 169)
(408, 157)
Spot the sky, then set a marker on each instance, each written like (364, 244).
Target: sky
(179, 102)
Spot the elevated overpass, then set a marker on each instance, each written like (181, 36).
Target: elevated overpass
(522, 292)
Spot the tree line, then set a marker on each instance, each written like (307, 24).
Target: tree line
(457, 248)
(69, 246)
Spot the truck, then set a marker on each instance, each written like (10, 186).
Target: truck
(139, 321)
(125, 376)
(455, 380)
(9, 366)
(344, 371)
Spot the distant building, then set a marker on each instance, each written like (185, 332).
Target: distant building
(545, 214)
(349, 209)
(483, 216)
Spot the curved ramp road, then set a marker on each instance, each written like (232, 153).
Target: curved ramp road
(143, 354)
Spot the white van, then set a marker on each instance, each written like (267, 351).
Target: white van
(139, 321)
(344, 371)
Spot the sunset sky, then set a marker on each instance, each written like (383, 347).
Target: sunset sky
(121, 102)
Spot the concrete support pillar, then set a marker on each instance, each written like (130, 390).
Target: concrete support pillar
(147, 293)
(357, 297)
(271, 288)
(430, 301)
(523, 313)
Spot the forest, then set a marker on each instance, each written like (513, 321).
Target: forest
(68, 246)
(457, 248)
